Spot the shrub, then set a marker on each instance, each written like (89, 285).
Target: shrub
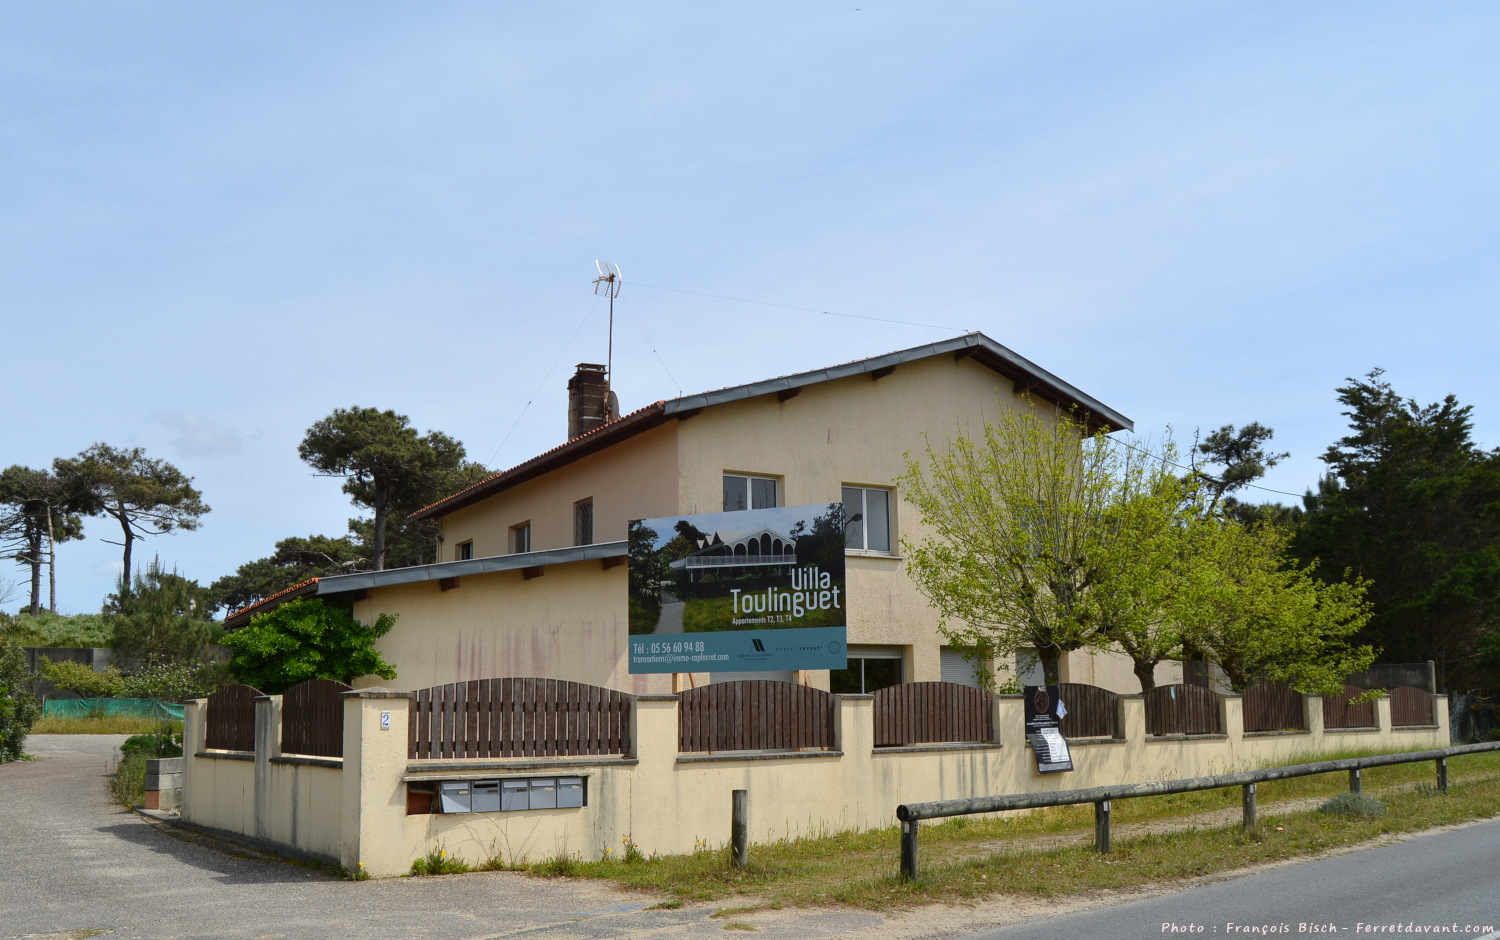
(18, 706)
(1353, 804)
(80, 678)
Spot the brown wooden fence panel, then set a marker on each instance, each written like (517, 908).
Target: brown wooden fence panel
(754, 715)
(932, 713)
(231, 718)
(1182, 709)
(1273, 708)
(1411, 707)
(1338, 713)
(312, 718)
(1092, 712)
(512, 717)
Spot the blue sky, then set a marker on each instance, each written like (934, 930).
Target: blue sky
(220, 222)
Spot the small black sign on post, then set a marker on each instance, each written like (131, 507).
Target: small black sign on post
(1044, 714)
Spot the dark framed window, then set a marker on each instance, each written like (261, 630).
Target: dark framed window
(742, 491)
(868, 670)
(520, 538)
(465, 550)
(583, 522)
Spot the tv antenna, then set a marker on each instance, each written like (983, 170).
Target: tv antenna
(608, 282)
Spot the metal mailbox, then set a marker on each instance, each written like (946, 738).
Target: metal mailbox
(455, 796)
(543, 792)
(515, 794)
(485, 797)
(569, 792)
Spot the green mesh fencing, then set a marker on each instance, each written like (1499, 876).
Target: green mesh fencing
(111, 707)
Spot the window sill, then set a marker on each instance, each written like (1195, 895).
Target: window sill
(866, 553)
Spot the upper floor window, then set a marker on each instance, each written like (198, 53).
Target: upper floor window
(520, 538)
(583, 522)
(867, 519)
(464, 550)
(742, 491)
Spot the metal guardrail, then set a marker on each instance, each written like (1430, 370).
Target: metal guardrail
(911, 814)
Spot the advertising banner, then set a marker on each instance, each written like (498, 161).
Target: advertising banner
(753, 591)
(1044, 714)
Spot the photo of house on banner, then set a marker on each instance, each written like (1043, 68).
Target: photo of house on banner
(749, 591)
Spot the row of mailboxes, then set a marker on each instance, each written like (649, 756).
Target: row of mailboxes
(499, 796)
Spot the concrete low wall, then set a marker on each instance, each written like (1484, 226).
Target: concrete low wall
(669, 803)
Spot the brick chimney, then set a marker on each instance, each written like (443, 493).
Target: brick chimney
(590, 402)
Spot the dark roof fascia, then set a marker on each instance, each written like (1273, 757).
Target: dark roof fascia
(997, 357)
(365, 580)
(1007, 362)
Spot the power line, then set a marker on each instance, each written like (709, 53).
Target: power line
(826, 313)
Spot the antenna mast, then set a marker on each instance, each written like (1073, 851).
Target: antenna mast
(608, 282)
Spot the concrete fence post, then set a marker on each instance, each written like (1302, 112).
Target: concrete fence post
(267, 746)
(373, 794)
(739, 830)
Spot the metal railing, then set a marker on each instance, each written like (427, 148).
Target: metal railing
(911, 814)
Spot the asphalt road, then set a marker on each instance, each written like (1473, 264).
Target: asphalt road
(1441, 883)
(71, 862)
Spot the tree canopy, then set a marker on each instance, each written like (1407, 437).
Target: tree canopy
(162, 618)
(1023, 523)
(307, 639)
(387, 467)
(294, 560)
(37, 510)
(144, 495)
(1047, 537)
(1411, 504)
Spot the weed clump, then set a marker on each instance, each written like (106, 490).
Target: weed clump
(438, 862)
(1356, 805)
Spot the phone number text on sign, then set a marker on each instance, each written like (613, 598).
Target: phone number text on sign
(680, 646)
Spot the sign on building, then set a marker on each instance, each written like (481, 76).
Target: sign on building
(759, 590)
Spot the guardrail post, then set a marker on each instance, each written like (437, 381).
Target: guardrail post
(1442, 774)
(1247, 800)
(739, 832)
(1101, 826)
(1354, 781)
(909, 849)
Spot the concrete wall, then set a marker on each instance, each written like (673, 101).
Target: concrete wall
(670, 803)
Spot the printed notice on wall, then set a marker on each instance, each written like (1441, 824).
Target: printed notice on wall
(750, 591)
(1044, 715)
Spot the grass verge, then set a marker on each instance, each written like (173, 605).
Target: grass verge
(973, 857)
(108, 724)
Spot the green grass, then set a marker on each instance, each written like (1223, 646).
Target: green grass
(106, 724)
(997, 854)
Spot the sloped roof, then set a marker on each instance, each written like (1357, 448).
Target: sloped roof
(241, 617)
(1027, 376)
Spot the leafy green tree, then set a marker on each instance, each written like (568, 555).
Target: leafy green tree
(1411, 504)
(307, 639)
(1143, 556)
(162, 618)
(39, 510)
(386, 466)
(294, 560)
(1023, 532)
(1263, 619)
(144, 495)
(81, 678)
(19, 708)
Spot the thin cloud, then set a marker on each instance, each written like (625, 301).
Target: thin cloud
(196, 436)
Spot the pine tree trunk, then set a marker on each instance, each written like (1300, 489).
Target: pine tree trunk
(51, 565)
(34, 550)
(119, 513)
(382, 496)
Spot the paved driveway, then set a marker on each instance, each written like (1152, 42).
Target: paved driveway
(71, 862)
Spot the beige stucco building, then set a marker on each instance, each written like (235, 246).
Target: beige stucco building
(532, 577)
